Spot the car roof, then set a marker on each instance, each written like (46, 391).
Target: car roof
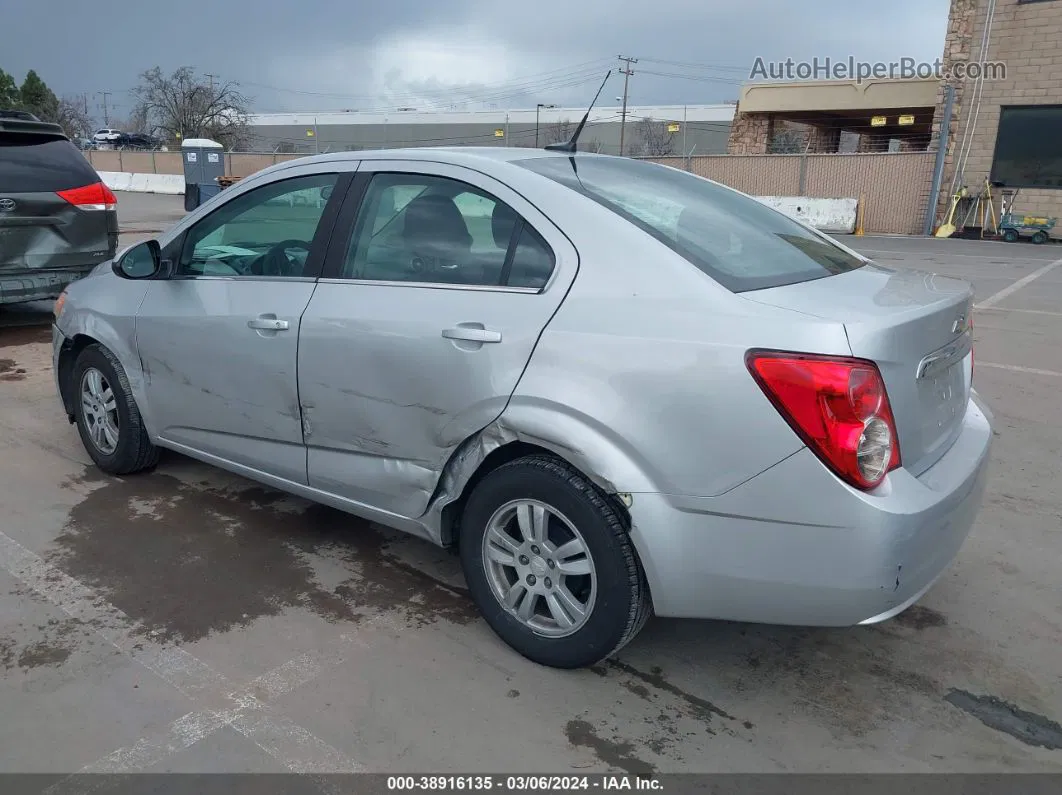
(457, 155)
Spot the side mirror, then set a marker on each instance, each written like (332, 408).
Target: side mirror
(326, 192)
(141, 261)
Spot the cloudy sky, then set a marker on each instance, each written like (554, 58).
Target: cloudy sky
(474, 54)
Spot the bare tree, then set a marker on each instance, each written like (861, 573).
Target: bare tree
(73, 117)
(653, 139)
(593, 145)
(558, 132)
(186, 105)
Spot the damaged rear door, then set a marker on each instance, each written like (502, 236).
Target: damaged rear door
(438, 282)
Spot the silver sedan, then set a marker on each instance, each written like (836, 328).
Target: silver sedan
(617, 388)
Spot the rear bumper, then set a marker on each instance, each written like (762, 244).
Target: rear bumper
(17, 288)
(795, 545)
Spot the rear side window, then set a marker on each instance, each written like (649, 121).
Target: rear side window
(735, 239)
(38, 164)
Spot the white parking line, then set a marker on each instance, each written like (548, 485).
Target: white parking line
(949, 254)
(1018, 369)
(992, 300)
(1022, 311)
(243, 709)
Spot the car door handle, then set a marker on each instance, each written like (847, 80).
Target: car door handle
(267, 324)
(472, 334)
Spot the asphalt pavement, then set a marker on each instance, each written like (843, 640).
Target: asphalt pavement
(190, 621)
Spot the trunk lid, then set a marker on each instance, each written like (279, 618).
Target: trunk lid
(916, 327)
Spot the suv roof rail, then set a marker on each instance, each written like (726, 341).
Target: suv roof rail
(27, 127)
(25, 115)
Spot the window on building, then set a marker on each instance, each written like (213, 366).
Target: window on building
(1029, 147)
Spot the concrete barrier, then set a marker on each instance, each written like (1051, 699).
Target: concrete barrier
(837, 216)
(172, 184)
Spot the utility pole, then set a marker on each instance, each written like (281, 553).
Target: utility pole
(626, 72)
(211, 83)
(106, 117)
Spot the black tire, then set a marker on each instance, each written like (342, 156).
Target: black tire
(1040, 237)
(1010, 235)
(622, 604)
(134, 451)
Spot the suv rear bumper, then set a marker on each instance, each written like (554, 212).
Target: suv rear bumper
(17, 288)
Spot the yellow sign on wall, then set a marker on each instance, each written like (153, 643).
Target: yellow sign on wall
(499, 133)
(878, 121)
(906, 120)
(674, 127)
(309, 133)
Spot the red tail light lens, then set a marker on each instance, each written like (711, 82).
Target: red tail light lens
(91, 197)
(839, 408)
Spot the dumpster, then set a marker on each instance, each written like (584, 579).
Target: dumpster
(204, 162)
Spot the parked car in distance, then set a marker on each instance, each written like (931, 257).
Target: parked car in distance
(138, 141)
(614, 386)
(107, 136)
(57, 218)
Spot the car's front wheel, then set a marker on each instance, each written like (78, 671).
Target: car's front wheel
(550, 564)
(108, 419)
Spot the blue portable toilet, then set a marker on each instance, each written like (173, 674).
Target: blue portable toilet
(204, 162)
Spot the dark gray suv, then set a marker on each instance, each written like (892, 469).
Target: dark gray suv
(57, 218)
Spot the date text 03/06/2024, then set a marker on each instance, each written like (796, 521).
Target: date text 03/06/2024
(525, 783)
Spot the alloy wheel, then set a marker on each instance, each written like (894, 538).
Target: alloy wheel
(539, 567)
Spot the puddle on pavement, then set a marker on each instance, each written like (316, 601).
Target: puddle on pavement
(1025, 726)
(53, 643)
(24, 335)
(10, 371)
(191, 560)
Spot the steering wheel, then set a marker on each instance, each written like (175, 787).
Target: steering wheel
(275, 262)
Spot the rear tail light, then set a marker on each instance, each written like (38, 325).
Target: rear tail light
(91, 197)
(839, 408)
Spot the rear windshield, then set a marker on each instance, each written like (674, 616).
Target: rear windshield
(36, 163)
(736, 240)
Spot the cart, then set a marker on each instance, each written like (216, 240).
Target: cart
(1013, 226)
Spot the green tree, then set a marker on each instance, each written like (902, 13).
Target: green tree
(9, 93)
(38, 99)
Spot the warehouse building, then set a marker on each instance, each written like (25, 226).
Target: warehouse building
(659, 130)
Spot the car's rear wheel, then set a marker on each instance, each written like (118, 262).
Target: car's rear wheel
(550, 564)
(108, 419)
(1040, 237)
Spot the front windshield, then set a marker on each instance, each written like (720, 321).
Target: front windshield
(739, 242)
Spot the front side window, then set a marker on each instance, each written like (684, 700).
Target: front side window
(736, 240)
(429, 229)
(267, 231)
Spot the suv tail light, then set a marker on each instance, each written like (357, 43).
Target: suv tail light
(839, 408)
(91, 197)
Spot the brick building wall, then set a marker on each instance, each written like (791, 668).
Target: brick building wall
(1027, 37)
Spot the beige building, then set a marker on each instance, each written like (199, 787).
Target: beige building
(1006, 126)
(1013, 126)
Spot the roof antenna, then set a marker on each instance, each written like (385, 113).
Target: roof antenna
(570, 146)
